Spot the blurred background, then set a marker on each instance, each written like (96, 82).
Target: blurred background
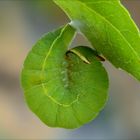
(22, 22)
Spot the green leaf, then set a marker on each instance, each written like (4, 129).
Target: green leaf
(64, 88)
(109, 28)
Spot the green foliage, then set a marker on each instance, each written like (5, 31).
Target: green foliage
(68, 88)
(109, 28)
(64, 88)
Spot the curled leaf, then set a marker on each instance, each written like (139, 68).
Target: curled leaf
(64, 88)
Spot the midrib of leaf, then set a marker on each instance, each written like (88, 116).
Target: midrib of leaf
(58, 103)
(48, 53)
(92, 10)
(118, 2)
(43, 70)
